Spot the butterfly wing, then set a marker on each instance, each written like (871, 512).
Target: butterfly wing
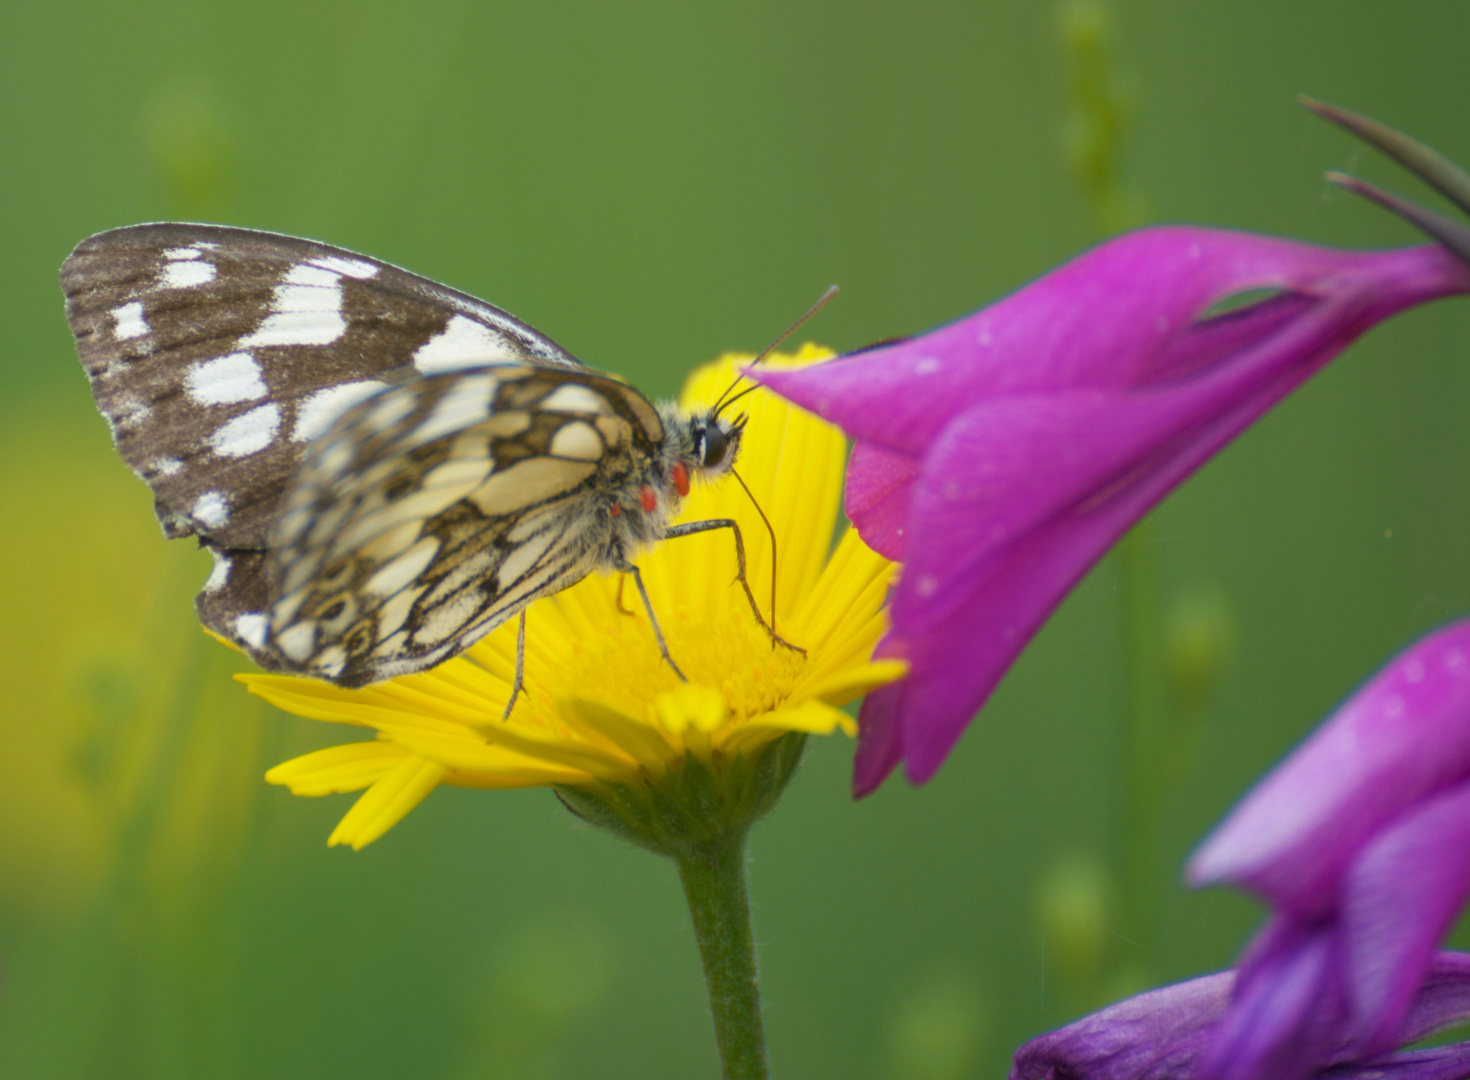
(435, 510)
(217, 355)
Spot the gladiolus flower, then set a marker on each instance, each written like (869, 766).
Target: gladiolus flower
(1361, 842)
(1164, 1035)
(1000, 456)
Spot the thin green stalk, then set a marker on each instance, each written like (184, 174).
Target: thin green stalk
(1100, 118)
(714, 882)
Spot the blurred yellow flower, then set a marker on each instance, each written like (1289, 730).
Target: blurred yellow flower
(601, 709)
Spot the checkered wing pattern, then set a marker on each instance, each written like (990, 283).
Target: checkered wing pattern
(438, 508)
(219, 356)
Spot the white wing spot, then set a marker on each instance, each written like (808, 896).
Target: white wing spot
(211, 510)
(520, 561)
(392, 542)
(186, 274)
(330, 661)
(128, 412)
(530, 481)
(415, 508)
(297, 641)
(466, 404)
(248, 433)
(462, 475)
(251, 629)
(463, 343)
(505, 424)
(615, 430)
(306, 309)
(285, 610)
(393, 408)
(578, 440)
(357, 268)
(402, 570)
(226, 380)
(393, 614)
(317, 412)
(220, 575)
(129, 320)
(448, 618)
(573, 398)
(537, 521)
(469, 570)
(167, 466)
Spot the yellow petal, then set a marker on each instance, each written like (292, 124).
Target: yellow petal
(560, 761)
(385, 803)
(812, 717)
(691, 705)
(383, 707)
(853, 682)
(336, 769)
(597, 722)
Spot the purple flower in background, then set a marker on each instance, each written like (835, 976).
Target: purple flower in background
(1360, 840)
(1000, 456)
(1165, 1035)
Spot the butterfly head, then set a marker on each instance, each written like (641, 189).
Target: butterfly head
(701, 444)
(716, 442)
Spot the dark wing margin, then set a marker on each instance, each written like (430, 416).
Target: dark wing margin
(217, 354)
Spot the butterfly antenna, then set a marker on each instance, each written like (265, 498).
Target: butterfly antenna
(772, 533)
(832, 290)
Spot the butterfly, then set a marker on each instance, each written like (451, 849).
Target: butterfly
(384, 468)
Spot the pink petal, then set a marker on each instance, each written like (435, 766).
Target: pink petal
(1400, 898)
(1047, 424)
(1401, 738)
(879, 485)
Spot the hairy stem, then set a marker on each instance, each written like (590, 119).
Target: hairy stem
(714, 882)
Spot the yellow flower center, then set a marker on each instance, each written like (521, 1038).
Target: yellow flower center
(619, 666)
(601, 713)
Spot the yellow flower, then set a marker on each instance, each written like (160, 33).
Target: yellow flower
(602, 712)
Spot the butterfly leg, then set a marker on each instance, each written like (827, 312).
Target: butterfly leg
(622, 580)
(520, 683)
(663, 650)
(693, 527)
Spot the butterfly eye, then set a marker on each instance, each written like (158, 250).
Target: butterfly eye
(715, 445)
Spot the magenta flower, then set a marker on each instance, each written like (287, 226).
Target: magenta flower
(1360, 840)
(1166, 1034)
(1000, 456)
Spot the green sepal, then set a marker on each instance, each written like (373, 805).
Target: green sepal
(696, 805)
(1436, 170)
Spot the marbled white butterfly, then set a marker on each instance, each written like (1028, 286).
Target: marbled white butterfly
(384, 468)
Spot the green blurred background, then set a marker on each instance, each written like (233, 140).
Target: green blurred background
(653, 183)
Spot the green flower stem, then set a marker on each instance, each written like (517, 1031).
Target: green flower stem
(714, 882)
